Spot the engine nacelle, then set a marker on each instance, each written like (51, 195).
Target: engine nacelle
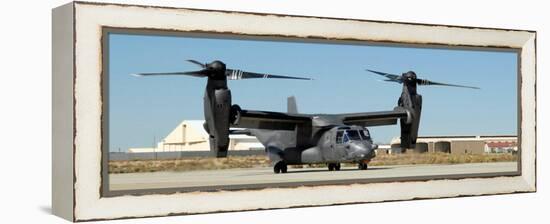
(409, 127)
(217, 115)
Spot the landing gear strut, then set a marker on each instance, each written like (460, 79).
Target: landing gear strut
(333, 166)
(363, 166)
(280, 167)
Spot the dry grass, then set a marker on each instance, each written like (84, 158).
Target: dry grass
(202, 163)
(187, 164)
(439, 158)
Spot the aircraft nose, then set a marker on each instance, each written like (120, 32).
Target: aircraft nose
(360, 149)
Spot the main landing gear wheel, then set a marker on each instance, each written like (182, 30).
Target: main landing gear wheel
(333, 166)
(280, 167)
(363, 166)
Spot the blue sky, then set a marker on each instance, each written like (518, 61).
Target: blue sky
(145, 109)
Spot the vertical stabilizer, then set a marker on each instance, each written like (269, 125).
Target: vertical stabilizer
(291, 105)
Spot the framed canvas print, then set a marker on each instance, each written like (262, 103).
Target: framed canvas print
(169, 111)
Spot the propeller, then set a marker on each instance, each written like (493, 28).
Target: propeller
(216, 69)
(411, 76)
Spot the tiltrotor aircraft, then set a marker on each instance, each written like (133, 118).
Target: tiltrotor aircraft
(293, 138)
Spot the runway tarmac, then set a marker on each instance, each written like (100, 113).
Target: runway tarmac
(265, 175)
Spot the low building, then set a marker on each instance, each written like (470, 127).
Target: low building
(383, 149)
(501, 147)
(190, 135)
(461, 144)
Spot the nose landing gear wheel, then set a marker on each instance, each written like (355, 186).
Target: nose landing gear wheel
(363, 166)
(280, 167)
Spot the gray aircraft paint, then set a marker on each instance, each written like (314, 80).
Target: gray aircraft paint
(281, 145)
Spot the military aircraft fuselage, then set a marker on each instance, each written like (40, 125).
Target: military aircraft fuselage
(328, 141)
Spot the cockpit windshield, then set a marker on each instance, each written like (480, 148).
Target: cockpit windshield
(365, 135)
(353, 135)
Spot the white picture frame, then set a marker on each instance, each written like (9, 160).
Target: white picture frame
(77, 109)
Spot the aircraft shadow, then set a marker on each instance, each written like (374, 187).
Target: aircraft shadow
(297, 170)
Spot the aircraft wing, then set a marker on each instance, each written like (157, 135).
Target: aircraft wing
(269, 120)
(376, 118)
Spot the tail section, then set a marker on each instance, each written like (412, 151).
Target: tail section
(291, 105)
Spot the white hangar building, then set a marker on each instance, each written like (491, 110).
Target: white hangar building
(190, 135)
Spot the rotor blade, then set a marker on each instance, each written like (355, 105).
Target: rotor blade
(425, 82)
(197, 63)
(391, 77)
(199, 73)
(233, 74)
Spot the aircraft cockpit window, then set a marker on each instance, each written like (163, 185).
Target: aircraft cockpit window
(339, 136)
(346, 136)
(353, 135)
(365, 135)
